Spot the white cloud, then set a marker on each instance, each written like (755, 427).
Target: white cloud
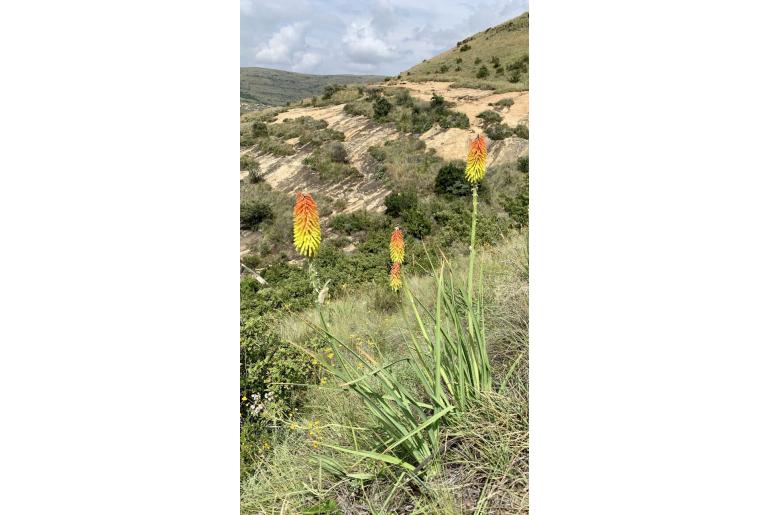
(362, 44)
(284, 44)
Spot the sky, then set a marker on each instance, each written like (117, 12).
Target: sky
(379, 37)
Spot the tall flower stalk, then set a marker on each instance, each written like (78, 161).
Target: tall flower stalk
(474, 172)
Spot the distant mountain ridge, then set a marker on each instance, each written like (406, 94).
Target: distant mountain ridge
(276, 87)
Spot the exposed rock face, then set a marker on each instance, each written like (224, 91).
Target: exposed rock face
(289, 174)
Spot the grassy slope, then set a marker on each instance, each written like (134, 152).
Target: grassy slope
(508, 41)
(276, 87)
(487, 465)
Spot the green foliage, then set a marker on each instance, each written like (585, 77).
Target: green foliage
(465, 48)
(454, 119)
(357, 221)
(318, 137)
(254, 213)
(396, 202)
(477, 60)
(450, 180)
(249, 164)
(521, 131)
(517, 206)
(523, 164)
(490, 116)
(402, 97)
(377, 153)
(483, 72)
(416, 222)
(259, 129)
(437, 102)
(330, 161)
(337, 152)
(381, 108)
(274, 146)
(498, 131)
(504, 102)
(330, 90)
(358, 108)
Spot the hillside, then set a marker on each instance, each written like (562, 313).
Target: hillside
(276, 87)
(502, 50)
(375, 158)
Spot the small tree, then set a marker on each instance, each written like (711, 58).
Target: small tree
(483, 72)
(337, 152)
(381, 108)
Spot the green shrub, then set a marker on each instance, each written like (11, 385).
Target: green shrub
(254, 213)
(358, 109)
(450, 180)
(337, 152)
(437, 102)
(381, 108)
(523, 164)
(515, 77)
(465, 48)
(517, 206)
(521, 131)
(497, 131)
(477, 61)
(459, 60)
(396, 203)
(402, 97)
(255, 177)
(444, 68)
(357, 221)
(483, 72)
(274, 146)
(329, 160)
(331, 90)
(317, 137)
(248, 163)
(495, 61)
(504, 102)
(377, 153)
(454, 119)
(457, 68)
(259, 129)
(416, 222)
(490, 116)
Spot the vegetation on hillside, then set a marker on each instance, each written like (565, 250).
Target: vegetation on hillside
(277, 87)
(497, 58)
(384, 360)
(317, 435)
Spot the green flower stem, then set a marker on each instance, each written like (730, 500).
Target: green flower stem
(469, 293)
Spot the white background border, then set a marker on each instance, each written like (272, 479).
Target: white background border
(649, 272)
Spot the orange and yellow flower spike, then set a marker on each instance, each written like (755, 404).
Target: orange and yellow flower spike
(395, 276)
(397, 246)
(477, 156)
(307, 227)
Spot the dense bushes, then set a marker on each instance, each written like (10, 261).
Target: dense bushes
(490, 116)
(523, 164)
(521, 131)
(254, 213)
(248, 163)
(450, 180)
(381, 108)
(454, 119)
(497, 131)
(517, 206)
(396, 203)
(356, 221)
(259, 129)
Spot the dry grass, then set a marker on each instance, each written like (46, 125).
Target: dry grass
(484, 453)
